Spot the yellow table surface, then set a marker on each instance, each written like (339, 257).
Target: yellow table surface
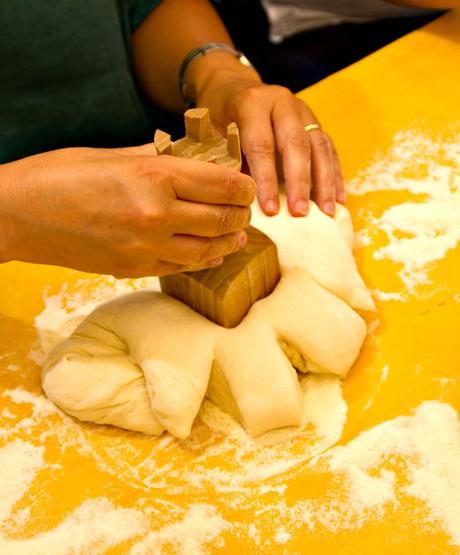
(412, 83)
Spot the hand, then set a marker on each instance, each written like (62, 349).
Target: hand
(271, 121)
(123, 212)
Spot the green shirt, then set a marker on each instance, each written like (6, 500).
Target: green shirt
(66, 77)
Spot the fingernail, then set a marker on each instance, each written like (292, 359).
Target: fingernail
(301, 207)
(341, 197)
(271, 206)
(243, 239)
(329, 208)
(216, 261)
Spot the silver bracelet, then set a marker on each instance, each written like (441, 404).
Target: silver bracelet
(202, 51)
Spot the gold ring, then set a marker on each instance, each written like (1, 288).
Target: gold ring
(311, 127)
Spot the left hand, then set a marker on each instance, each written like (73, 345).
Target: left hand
(271, 121)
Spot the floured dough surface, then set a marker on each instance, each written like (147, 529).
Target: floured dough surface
(145, 361)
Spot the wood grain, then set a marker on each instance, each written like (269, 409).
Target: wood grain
(226, 293)
(201, 142)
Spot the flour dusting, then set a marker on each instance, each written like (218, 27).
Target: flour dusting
(65, 310)
(186, 496)
(95, 524)
(427, 444)
(423, 228)
(19, 463)
(200, 526)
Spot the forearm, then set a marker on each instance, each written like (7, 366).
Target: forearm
(5, 215)
(161, 43)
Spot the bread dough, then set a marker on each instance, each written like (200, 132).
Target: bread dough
(145, 361)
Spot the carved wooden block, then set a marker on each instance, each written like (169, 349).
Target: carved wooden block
(200, 141)
(225, 294)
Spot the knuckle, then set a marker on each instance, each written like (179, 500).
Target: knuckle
(268, 181)
(261, 146)
(246, 216)
(281, 91)
(205, 252)
(322, 143)
(249, 94)
(297, 139)
(226, 220)
(149, 215)
(233, 186)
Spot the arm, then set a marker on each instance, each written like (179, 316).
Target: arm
(168, 34)
(270, 118)
(124, 212)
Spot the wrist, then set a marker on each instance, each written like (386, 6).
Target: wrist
(211, 71)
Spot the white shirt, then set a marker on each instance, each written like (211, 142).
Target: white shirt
(288, 17)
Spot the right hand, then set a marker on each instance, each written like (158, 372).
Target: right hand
(124, 212)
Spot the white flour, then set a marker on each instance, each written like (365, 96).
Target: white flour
(415, 457)
(19, 461)
(64, 311)
(424, 447)
(200, 526)
(426, 225)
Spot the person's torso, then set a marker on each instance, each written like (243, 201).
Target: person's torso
(65, 77)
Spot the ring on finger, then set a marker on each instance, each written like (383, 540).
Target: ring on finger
(311, 127)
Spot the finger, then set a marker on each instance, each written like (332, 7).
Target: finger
(206, 220)
(149, 268)
(206, 266)
(167, 268)
(198, 181)
(340, 194)
(294, 145)
(323, 171)
(194, 251)
(258, 145)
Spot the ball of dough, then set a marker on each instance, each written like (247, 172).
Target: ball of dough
(145, 361)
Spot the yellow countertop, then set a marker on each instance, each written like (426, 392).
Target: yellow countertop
(71, 487)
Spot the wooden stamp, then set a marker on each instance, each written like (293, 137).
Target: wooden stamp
(223, 294)
(226, 293)
(201, 142)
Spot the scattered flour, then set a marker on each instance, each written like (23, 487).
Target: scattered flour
(65, 310)
(200, 526)
(264, 458)
(7, 414)
(385, 372)
(19, 463)
(423, 229)
(95, 525)
(415, 456)
(423, 448)
(386, 296)
(282, 536)
(427, 444)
